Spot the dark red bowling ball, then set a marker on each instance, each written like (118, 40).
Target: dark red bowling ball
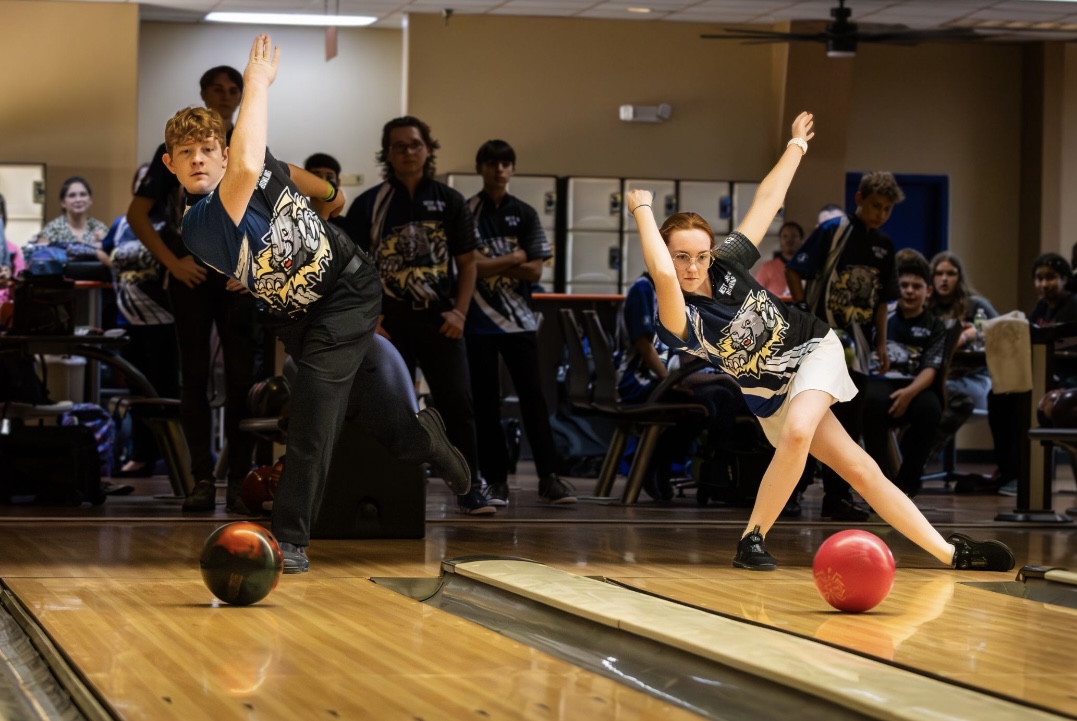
(241, 563)
(257, 488)
(1064, 410)
(853, 570)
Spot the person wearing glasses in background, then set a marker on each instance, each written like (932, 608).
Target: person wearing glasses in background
(422, 238)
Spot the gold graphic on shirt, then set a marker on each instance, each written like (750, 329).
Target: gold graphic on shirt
(414, 261)
(752, 337)
(296, 255)
(854, 295)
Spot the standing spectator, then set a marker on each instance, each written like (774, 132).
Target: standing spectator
(772, 273)
(422, 238)
(850, 262)
(325, 167)
(146, 313)
(502, 324)
(200, 301)
(74, 230)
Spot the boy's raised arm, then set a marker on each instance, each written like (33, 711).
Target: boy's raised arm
(246, 154)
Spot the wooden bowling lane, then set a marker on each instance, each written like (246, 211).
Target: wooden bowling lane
(316, 648)
(933, 621)
(863, 684)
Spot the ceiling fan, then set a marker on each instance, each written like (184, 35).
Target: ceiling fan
(842, 36)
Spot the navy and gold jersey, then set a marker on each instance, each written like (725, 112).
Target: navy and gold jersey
(414, 239)
(745, 330)
(502, 304)
(914, 344)
(282, 251)
(863, 277)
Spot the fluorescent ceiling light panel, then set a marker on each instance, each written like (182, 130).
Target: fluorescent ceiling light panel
(290, 19)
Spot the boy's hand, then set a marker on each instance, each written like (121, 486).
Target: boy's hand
(262, 65)
(884, 359)
(802, 126)
(902, 398)
(636, 198)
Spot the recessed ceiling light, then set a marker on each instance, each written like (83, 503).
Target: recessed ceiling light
(638, 10)
(291, 19)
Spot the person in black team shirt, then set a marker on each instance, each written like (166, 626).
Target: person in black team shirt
(249, 217)
(422, 238)
(199, 301)
(908, 395)
(501, 323)
(789, 363)
(850, 262)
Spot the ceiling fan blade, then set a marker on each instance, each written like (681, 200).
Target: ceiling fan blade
(911, 37)
(768, 35)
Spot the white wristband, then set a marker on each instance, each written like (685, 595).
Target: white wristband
(800, 143)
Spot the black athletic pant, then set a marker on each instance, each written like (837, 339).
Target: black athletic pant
(520, 353)
(414, 333)
(152, 349)
(920, 421)
(196, 311)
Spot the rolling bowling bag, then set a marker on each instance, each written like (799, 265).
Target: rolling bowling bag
(50, 464)
(369, 493)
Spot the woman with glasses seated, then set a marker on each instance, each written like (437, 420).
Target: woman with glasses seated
(789, 364)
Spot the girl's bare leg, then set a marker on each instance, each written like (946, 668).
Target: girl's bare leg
(806, 410)
(833, 446)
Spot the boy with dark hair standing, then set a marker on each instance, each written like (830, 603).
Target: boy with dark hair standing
(850, 263)
(501, 323)
(910, 394)
(199, 302)
(261, 223)
(422, 239)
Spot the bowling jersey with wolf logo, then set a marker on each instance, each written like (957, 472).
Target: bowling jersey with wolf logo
(745, 330)
(862, 278)
(502, 304)
(414, 239)
(914, 344)
(281, 251)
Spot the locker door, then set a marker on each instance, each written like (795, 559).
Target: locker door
(540, 192)
(743, 194)
(467, 184)
(594, 204)
(633, 264)
(710, 199)
(664, 203)
(594, 259)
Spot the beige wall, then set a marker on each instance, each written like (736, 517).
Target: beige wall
(69, 78)
(950, 110)
(552, 88)
(336, 106)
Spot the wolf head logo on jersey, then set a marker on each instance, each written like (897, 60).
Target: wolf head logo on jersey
(413, 261)
(853, 295)
(295, 257)
(752, 336)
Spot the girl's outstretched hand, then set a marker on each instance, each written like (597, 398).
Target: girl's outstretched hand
(802, 126)
(636, 198)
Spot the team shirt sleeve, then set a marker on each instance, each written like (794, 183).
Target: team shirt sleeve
(934, 355)
(533, 237)
(639, 314)
(460, 232)
(737, 249)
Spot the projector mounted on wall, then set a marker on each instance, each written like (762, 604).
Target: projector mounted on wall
(646, 113)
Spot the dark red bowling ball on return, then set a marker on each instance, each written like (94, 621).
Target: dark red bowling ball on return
(257, 488)
(241, 563)
(853, 570)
